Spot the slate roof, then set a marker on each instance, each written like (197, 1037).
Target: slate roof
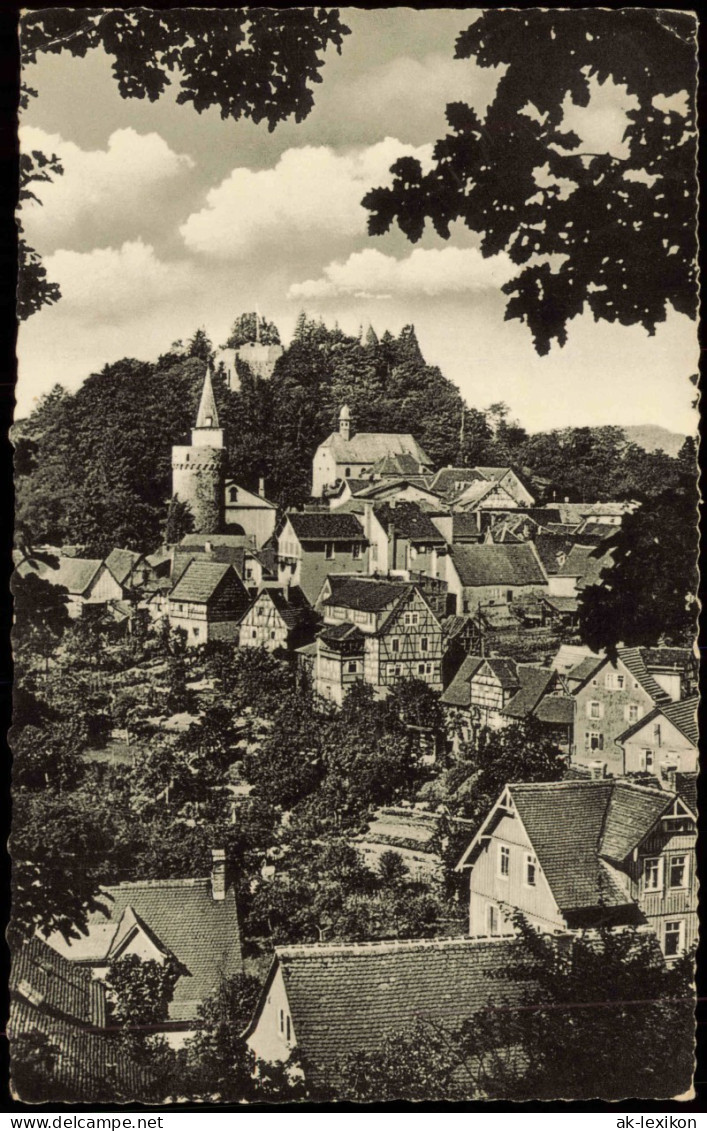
(410, 522)
(350, 997)
(365, 594)
(121, 563)
(200, 580)
(369, 447)
(202, 933)
(320, 526)
(682, 714)
(498, 564)
(577, 827)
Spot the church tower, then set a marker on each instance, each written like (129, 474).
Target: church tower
(198, 470)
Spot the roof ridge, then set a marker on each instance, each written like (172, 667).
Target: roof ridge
(313, 950)
(188, 882)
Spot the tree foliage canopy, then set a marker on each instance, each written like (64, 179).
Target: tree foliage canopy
(609, 233)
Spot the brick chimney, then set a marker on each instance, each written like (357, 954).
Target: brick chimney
(218, 873)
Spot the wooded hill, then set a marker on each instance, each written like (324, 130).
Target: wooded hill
(94, 467)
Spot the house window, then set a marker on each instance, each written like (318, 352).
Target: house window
(428, 669)
(289, 1029)
(465, 605)
(632, 713)
(423, 644)
(677, 872)
(674, 937)
(504, 861)
(492, 919)
(374, 552)
(412, 618)
(352, 666)
(594, 709)
(395, 644)
(195, 631)
(615, 681)
(329, 550)
(282, 1021)
(593, 741)
(421, 669)
(272, 635)
(233, 494)
(356, 550)
(648, 760)
(531, 871)
(653, 874)
(347, 472)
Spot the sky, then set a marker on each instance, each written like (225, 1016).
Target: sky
(166, 220)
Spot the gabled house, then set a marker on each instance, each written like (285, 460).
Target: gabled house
(330, 1000)
(573, 855)
(89, 581)
(663, 741)
(313, 544)
(610, 696)
(489, 573)
(486, 499)
(403, 489)
(129, 568)
(193, 923)
(208, 601)
(578, 568)
(277, 618)
(376, 631)
(237, 550)
(246, 512)
(507, 478)
(496, 691)
(59, 1002)
(343, 456)
(449, 482)
(407, 538)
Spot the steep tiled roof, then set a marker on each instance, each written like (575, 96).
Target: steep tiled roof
(409, 521)
(316, 526)
(368, 490)
(465, 526)
(121, 563)
(74, 574)
(633, 810)
(564, 821)
(201, 932)
(585, 668)
(549, 545)
(686, 786)
(397, 463)
(496, 473)
(366, 594)
(369, 447)
(632, 658)
(585, 563)
(351, 997)
(505, 670)
(666, 658)
(561, 604)
(45, 978)
(498, 564)
(556, 709)
(344, 631)
(474, 492)
(450, 480)
(458, 694)
(200, 580)
(682, 715)
(291, 608)
(534, 683)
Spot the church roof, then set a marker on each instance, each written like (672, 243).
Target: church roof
(207, 416)
(369, 447)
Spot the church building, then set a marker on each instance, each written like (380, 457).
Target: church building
(343, 456)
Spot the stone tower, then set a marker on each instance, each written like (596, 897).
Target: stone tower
(198, 470)
(345, 423)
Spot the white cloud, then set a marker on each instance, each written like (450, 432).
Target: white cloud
(112, 284)
(311, 193)
(122, 182)
(449, 270)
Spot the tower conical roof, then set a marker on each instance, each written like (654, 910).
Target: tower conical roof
(207, 416)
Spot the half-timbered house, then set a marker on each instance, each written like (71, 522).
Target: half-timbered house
(574, 855)
(208, 602)
(376, 631)
(277, 618)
